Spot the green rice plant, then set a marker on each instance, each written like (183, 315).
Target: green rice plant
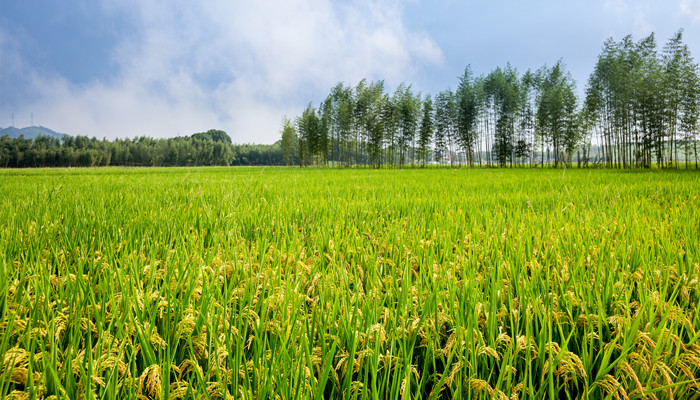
(264, 283)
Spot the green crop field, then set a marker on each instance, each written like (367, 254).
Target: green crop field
(284, 283)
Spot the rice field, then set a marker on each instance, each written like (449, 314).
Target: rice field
(266, 283)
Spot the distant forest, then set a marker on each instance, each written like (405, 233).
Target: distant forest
(641, 108)
(213, 147)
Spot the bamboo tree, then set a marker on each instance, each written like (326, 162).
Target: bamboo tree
(600, 100)
(690, 104)
(325, 130)
(289, 140)
(388, 117)
(342, 119)
(407, 110)
(557, 117)
(673, 88)
(361, 108)
(426, 130)
(502, 86)
(308, 127)
(467, 108)
(444, 105)
(526, 145)
(373, 121)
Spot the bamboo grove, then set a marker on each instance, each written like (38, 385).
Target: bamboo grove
(640, 109)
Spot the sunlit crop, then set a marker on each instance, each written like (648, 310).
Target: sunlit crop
(285, 283)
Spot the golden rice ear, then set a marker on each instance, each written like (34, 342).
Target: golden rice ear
(637, 360)
(479, 385)
(61, 324)
(149, 383)
(611, 386)
(378, 333)
(188, 366)
(357, 388)
(662, 371)
(502, 339)
(178, 390)
(157, 341)
(19, 375)
(342, 361)
(453, 373)
(16, 356)
(553, 348)
(18, 395)
(685, 364)
(629, 372)
(515, 394)
(498, 394)
(451, 341)
(215, 390)
(186, 326)
(488, 351)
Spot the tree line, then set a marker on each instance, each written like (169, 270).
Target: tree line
(213, 147)
(641, 107)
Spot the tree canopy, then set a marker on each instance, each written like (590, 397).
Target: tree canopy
(641, 106)
(200, 149)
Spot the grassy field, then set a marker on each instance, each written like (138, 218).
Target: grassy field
(279, 283)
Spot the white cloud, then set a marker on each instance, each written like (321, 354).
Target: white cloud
(691, 8)
(633, 16)
(618, 6)
(238, 66)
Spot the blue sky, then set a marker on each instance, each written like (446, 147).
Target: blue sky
(125, 68)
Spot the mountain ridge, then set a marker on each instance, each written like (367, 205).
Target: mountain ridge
(31, 132)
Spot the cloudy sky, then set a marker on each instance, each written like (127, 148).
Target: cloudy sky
(125, 68)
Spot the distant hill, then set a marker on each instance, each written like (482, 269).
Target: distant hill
(31, 132)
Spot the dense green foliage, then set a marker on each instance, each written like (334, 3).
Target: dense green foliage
(641, 108)
(645, 106)
(357, 283)
(204, 149)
